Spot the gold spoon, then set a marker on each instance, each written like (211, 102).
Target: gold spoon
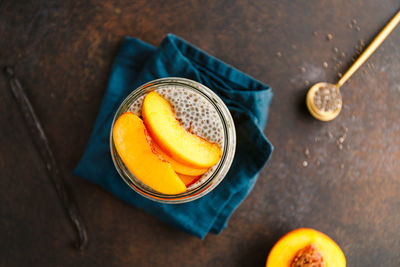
(331, 113)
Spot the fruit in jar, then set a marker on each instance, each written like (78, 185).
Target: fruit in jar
(134, 147)
(188, 180)
(182, 145)
(178, 167)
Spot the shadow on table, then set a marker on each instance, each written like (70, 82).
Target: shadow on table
(256, 252)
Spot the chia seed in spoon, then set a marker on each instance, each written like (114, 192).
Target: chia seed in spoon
(327, 98)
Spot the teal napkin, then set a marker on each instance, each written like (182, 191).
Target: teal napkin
(247, 99)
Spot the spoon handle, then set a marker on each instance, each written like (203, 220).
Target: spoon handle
(370, 49)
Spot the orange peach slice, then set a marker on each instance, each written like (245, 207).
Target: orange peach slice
(178, 167)
(188, 180)
(288, 247)
(134, 147)
(173, 138)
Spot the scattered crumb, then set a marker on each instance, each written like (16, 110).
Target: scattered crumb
(354, 21)
(279, 54)
(316, 139)
(118, 10)
(358, 28)
(340, 146)
(342, 55)
(306, 83)
(338, 65)
(302, 69)
(294, 47)
(317, 163)
(325, 65)
(335, 49)
(340, 75)
(342, 166)
(307, 152)
(315, 33)
(330, 135)
(305, 163)
(329, 36)
(341, 139)
(350, 26)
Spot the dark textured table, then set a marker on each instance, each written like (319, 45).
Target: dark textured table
(341, 177)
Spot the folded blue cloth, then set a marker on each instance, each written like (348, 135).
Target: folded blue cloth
(247, 99)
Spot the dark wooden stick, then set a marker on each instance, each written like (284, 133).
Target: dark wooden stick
(47, 155)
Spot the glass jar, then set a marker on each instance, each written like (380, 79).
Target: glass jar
(219, 171)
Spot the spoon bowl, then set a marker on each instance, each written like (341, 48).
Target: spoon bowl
(317, 112)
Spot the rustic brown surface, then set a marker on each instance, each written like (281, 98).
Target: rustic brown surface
(63, 53)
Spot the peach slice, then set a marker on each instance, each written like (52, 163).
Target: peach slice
(173, 138)
(188, 180)
(134, 147)
(178, 167)
(305, 244)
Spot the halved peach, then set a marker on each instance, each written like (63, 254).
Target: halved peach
(178, 167)
(173, 138)
(134, 147)
(295, 246)
(188, 180)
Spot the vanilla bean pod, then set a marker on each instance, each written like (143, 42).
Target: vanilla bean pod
(43, 146)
